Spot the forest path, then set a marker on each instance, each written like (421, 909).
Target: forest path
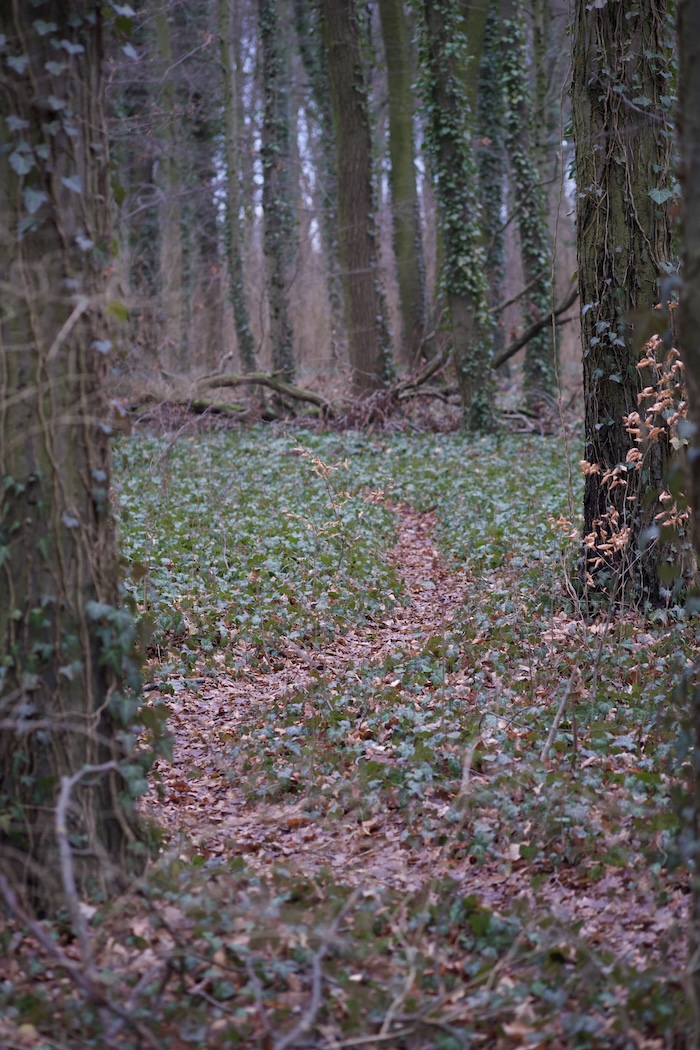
(202, 807)
(206, 811)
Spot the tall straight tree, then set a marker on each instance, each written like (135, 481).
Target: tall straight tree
(172, 249)
(622, 51)
(278, 198)
(365, 310)
(64, 640)
(444, 55)
(529, 201)
(234, 228)
(405, 207)
(314, 59)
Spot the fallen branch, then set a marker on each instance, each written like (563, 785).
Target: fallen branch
(74, 971)
(317, 977)
(426, 373)
(558, 717)
(272, 382)
(509, 351)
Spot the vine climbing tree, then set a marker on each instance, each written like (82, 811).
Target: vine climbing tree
(623, 62)
(69, 686)
(444, 57)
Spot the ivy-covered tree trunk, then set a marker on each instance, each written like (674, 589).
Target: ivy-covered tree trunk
(444, 55)
(529, 201)
(65, 663)
(365, 310)
(689, 140)
(233, 232)
(172, 250)
(314, 59)
(278, 204)
(622, 52)
(408, 237)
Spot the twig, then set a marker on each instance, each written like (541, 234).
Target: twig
(514, 298)
(309, 1016)
(84, 983)
(559, 714)
(66, 858)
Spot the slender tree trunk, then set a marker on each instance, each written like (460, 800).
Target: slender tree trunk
(408, 237)
(172, 251)
(529, 199)
(365, 310)
(278, 207)
(64, 641)
(234, 226)
(491, 163)
(689, 135)
(444, 55)
(623, 161)
(314, 58)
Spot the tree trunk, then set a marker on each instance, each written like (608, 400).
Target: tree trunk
(278, 207)
(365, 310)
(234, 227)
(623, 161)
(172, 251)
(65, 644)
(491, 164)
(689, 148)
(444, 58)
(408, 238)
(315, 64)
(529, 200)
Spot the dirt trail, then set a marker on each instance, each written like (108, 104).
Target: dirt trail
(212, 815)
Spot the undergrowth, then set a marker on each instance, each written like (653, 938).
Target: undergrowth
(237, 545)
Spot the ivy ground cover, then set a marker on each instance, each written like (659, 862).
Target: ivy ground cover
(419, 797)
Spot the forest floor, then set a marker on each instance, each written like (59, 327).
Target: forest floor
(416, 799)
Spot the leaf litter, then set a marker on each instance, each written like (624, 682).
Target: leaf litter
(362, 841)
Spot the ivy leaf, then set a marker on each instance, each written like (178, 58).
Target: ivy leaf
(103, 346)
(18, 62)
(55, 67)
(33, 199)
(21, 162)
(71, 48)
(660, 196)
(43, 27)
(130, 51)
(70, 519)
(83, 242)
(16, 123)
(73, 183)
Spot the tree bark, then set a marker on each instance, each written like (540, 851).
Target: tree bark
(529, 199)
(68, 683)
(407, 234)
(689, 137)
(314, 59)
(278, 208)
(365, 310)
(234, 227)
(444, 55)
(623, 156)
(172, 251)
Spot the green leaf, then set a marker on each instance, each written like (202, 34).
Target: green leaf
(21, 162)
(660, 196)
(33, 199)
(73, 183)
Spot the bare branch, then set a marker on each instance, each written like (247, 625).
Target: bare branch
(505, 355)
